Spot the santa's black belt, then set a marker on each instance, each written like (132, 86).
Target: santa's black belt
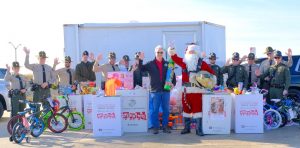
(188, 84)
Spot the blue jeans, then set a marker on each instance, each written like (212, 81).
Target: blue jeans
(160, 99)
(150, 125)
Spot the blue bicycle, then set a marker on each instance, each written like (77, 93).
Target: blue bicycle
(31, 124)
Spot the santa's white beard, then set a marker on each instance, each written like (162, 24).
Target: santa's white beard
(191, 61)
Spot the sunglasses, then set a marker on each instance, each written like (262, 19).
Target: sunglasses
(276, 57)
(160, 52)
(235, 59)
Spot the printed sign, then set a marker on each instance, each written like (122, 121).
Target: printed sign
(107, 118)
(216, 114)
(249, 113)
(134, 110)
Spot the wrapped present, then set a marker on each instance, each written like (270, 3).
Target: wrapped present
(111, 86)
(126, 79)
(88, 90)
(206, 79)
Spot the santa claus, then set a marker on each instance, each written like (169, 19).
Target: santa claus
(191, 64)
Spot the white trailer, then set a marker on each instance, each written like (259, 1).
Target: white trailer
(128, 38)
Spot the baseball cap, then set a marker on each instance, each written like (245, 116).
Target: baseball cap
(85, 53)
(235, 56)
(15, 64)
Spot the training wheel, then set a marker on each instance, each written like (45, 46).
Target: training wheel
(10, 139)
(27, 139)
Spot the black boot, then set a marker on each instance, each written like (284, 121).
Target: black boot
(199, 131)
(187, 125)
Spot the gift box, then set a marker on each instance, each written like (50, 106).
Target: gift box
(125, 77)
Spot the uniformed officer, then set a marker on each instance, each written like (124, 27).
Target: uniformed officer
(137, 73)
(66, 75)
(279, 77)
(17, 88)
(43, 76)
(84, 70)
(124, 63)
(107, 67)
(236, 72)
(252, 70)
(217, 69)
(264, 66)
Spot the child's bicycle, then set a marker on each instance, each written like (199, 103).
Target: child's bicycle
(18, 118)
(55, 121)
(75, 119)
(291, 110)
(31, 124)
(272, 117)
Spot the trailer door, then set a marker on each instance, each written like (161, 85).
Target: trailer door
(180, 39)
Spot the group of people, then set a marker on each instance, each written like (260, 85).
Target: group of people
(44, 76)
(273, 74)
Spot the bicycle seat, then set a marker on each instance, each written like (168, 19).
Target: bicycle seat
(26, 110)
(23, 101)
(34, 103)
(276, 100)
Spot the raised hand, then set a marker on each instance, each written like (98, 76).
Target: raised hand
(134, 67)
(56, 61)
(244, 58)
(171, 51)
(203, 54)
(8, 68)
(227, 62)
(99, 57)
(27, 51)
(122, 62)
(289, 53)
(92, 57)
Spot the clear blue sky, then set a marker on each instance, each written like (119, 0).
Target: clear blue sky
(38, 24)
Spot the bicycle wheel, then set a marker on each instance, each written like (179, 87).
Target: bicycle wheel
(18, 132)
(75, 120)
(272, 119)
(57, 123)
(38, 127)
(10, 125)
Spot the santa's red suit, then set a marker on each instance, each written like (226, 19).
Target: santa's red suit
(192, 103)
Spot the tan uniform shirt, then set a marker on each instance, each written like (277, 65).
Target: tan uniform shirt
(265, 65)
(38, 72)
(254, 67)
(64, 76)
(104, 68)
(14, 81)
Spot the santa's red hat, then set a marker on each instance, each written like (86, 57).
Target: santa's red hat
(194, 48)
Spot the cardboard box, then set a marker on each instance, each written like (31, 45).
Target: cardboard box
(134, 110)
(216, 114)
(248, 113)
(87, 110)
(107, 118)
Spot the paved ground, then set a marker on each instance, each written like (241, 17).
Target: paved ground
(283, 137)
